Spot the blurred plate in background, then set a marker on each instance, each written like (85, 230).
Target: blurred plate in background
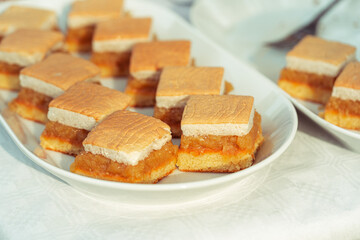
(243, 27)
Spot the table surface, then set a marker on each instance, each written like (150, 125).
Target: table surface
(312, 192)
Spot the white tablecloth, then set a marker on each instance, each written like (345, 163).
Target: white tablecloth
(312, 192)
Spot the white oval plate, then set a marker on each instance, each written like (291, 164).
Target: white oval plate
(270, 61)
(279, 122)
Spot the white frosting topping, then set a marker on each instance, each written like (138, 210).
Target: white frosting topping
(117, 45)
(129, 158)
(44, 87)
(346, 93)
(223, 129)
(317, 67)
(71, 119)
(84, 21)
(24, 59)
(20, 59)
(171, 101)
(148, 75)
(40, 86)
(179, 101)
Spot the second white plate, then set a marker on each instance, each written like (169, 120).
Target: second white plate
(270, 61)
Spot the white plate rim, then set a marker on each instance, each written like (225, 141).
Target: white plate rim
(170, 186)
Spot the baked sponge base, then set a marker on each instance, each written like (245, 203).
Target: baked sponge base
(305, 91)
(216, 161)
(348, 121)
(213, 162)
(60, 145)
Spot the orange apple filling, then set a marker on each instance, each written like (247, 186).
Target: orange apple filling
(112, 64)
(172, 117)
(9, 76)
(58, 137)
(158, 164)
(343, 113)
(142, 92)
(79, 39)
(306, 86)
(344, 106)
(31, 105)
(10, 68)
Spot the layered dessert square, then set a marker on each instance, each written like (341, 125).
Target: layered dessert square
(83, 17)
(343, 108)
(113, 41)
(24, 48)
(127, 147)
(177, 84)
(312, 67)
(147, 61)
(73, 114)
(221, 133)
(44, 81)
(21, 17)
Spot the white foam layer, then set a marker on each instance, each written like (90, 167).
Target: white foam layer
(346, 93)
(44, 87)
(117, 45)
(179, 101)
(40, 86)
(81, 21)
(22, 60)
(129, 158)
(148, 75)
(224, 129)
(317, 67)
(171, 101)
(71, 119)
(25, 60)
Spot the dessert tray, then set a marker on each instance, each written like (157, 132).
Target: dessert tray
(279, 122)
(248, 44)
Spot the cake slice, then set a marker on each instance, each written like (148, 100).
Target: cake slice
(312, 67)
(127, 147)
(22, 17)
(177, 84)
(343, 108)
(113, 41)
(73, 114)
(147, 61)
(220, 134)
(24, 48)
(44, 81)
(83, 17)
